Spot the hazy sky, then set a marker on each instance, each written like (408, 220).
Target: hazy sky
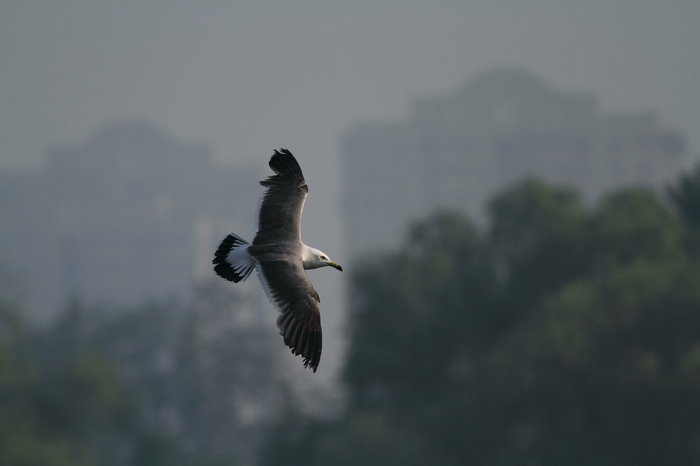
(247, 77)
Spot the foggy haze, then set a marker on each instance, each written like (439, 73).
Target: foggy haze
(244, 78)
(132, 137)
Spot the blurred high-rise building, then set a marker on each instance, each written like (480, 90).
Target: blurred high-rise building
(129, 214)
(457, 151)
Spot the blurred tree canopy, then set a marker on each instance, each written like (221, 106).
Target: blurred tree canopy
(68, 414)
(560, 335)
(159, 384)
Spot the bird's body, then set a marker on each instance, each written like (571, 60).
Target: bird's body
(280, 257)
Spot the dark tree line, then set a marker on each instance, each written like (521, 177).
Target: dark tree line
(560, 335)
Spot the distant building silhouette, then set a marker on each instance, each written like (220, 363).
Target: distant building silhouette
(120, 217)
(456, 152)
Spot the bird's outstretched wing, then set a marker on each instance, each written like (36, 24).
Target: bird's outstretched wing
(290, 291)
(279, 211)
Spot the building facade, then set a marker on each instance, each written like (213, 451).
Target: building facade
(456, 152)
(129, 214)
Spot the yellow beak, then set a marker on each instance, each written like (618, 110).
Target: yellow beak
(335, 266)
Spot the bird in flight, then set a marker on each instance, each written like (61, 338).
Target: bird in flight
(280, 257)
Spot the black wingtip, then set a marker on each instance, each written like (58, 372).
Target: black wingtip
(302, 337)
(286, 168)
(283, 162)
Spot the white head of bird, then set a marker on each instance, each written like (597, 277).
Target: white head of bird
(312, 258)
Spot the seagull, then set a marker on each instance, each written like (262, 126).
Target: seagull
(280, 258)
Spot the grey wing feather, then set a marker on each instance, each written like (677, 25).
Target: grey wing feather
(279, 214)
(291, 292)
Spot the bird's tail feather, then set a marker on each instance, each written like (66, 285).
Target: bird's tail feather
(232, 260)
